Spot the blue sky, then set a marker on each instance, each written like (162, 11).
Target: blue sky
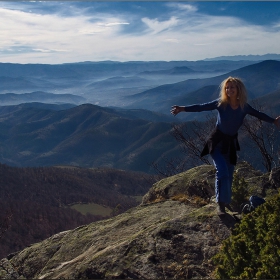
(60, 32)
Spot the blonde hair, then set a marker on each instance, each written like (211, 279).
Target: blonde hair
(241, 92)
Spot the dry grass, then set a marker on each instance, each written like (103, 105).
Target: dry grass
(197, 200)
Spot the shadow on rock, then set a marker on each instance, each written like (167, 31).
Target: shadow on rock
(229, 220)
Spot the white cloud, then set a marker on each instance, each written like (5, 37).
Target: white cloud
(172, 40)
(92, 30)
(48, 50)
(157, 26)
(276, 25)
(53, 33)
(116, 23)
(182, 33)
(183, 7)
(202, 44)
(100, 27)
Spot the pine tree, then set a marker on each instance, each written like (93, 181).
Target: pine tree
(253, 249)
(240, 191)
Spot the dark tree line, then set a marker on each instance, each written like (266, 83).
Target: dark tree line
(27, 222)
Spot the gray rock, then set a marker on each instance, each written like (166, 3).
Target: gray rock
(168, 239)
(196, 182)
(7, 271)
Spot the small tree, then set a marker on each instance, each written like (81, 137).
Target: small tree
(240, 191)
(252, 251)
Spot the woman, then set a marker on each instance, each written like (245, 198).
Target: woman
(222, 145)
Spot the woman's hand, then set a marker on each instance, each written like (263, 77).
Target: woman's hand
(277, 122)
(177, 109)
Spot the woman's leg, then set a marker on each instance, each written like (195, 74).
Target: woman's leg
(224, 176)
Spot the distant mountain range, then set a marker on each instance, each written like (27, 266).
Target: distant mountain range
(103, 83)
(40, 96)
(246, 57)
(260, 79)
(150, 90)
(119, 82)
(35, 134)
(172, 71)
(129, 137)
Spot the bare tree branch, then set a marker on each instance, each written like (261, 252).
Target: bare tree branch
(192, 137)
(264, 137)
(170, 167)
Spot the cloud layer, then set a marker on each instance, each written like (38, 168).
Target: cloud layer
(58, 32)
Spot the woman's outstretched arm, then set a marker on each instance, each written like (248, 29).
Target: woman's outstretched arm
(195, 108)
(263, 116)
(177, 109)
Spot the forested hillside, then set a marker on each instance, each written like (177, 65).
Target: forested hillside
(86, 135)
(38, 200)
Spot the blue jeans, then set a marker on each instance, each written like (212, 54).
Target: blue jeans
(224, 175)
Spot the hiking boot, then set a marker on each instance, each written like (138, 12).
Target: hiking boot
(221, 210)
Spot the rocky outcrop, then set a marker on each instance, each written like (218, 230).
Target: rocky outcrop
(172, 234)
(7, 271)
(245, 170)
(198, 181)
(166, 239)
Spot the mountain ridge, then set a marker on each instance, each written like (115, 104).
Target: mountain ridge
(246, 57)
(260, 79)
(85, 135)
(39, 96)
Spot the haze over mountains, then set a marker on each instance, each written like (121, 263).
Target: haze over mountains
(105, 83)
(250, 57)
(153, 86)
(39, 96)
(130, 136)
(261, 78)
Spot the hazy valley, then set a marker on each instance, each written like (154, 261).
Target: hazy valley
(101, 83)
